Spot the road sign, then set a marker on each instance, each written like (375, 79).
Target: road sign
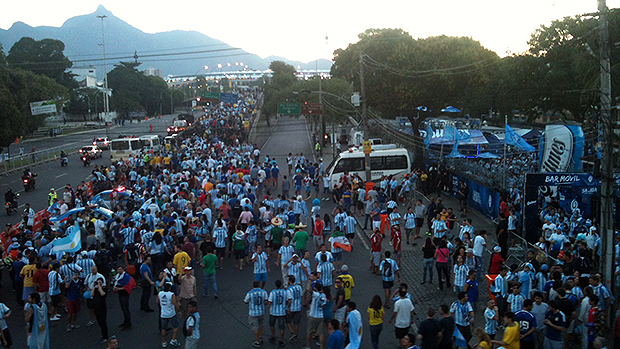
(210, 95)
(230, 98)
(43, 107)
(367, 147)
(289, 108)
(312, 109)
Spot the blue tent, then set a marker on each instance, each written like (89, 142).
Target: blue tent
(450, 109)
(488, 155)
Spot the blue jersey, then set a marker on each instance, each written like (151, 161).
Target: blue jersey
(278, 298)
(256, 299)
(294, 293)
(325, 270)
(460, 274)
(472, 291)
(388, 267)
(316, 306)
(490, 325)
(526, 321)
(220, 234)
(516, 302)
(260, 265)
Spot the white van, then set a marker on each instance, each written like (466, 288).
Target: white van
(150, 142)
(384, 162)
(122, 148)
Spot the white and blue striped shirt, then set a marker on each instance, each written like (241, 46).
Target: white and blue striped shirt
(325, 271)
(388, 267)
(391, 204)
(461, 312)
(286, 252)
(349, 223)
(490, 326)
(294, 295)
(278, 298)
(394, 218)
(317, 305)
(252, 233)
(129, 235)
(500, 286)
(256, 299)
(409, 220)
(516, 302)
(220, 234)
(466, 229)
(295, 270)
(85, 264)
(460, 274)
(68, 270)
(438, 225)
(260, 266)
(306, 263)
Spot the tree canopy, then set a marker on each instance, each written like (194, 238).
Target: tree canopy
(133, 91)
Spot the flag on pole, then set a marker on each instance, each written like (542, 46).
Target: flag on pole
(513, 138)
(70, 243)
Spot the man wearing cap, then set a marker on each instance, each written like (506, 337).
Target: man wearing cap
(526, 279)
(347, 282)
(187, 289)
(277, 231)
(300, 239)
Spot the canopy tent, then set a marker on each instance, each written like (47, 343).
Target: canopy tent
(488, 155)
(450, 109)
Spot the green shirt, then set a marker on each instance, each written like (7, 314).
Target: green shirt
(276, 235)
(209, 261)
(300, 239)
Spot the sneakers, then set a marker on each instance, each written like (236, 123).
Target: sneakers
(175, 343)
(90, 323)
(164, 344)
(55, 317)
(256, 344)
(293, 338)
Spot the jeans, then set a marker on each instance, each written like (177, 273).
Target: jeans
(123, 298)
(375, 331)
(478, 265)
(549, 344)
(366, 220)
(428, 267)
(101, 314)
(210, 279)
(146, 296)
(442, 268)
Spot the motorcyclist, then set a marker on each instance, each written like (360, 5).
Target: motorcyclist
(63, 154)
(9, 196)
(27, 172)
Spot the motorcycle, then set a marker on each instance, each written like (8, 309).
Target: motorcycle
(29, 182)
(64, 161)
(11, 206)
(86, 160)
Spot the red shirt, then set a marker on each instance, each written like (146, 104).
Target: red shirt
(496, 263)
(396, 240)
(318, 228)
(41, 279)
(375, 241)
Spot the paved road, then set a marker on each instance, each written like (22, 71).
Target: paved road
(224, 321)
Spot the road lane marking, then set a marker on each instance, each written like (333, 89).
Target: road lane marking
(60, 175)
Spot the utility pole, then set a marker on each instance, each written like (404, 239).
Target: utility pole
(106, 96)
(365, 118)
(606, 212)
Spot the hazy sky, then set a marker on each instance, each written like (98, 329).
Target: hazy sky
(296, 30)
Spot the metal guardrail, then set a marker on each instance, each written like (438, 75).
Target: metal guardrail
(15, 163)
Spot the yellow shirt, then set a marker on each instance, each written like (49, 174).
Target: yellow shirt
(347, 284)
(485, 345)
(376, 317)
(181, 260)
(512, 337)
(28, 272)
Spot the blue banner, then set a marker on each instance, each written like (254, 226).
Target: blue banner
(229, 98)
(561, 148)
(481, 198)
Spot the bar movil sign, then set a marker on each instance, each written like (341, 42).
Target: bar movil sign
(43, 107)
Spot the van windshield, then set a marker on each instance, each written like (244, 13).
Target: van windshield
(120, 145)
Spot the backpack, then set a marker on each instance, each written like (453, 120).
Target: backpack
(184, 329)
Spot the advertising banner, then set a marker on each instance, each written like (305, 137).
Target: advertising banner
(561, 148)
(481, 198)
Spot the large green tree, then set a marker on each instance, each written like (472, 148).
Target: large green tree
(42, 57)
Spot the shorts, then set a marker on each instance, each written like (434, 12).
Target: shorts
(350, 236)
(260, 277)
(56, 300)
(419, 222)
(239, 254)
(315, 324)
(220, 252)
(277, 321)
(275, 246)
(293, 317)
(26, 292)
(297, 187)
(73, 307)
(337, 256)
(172, 321)
(396, 255)
(387, 285)
(400, 332)
(256, 322)
(45, 297)
(376, 258)
(317, 239)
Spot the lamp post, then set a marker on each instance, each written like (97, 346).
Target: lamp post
(106, 97)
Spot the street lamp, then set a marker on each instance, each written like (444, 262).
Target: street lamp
(106, 96)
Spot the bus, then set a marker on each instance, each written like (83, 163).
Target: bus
(383, 162)
(150, 142)
(122, 148)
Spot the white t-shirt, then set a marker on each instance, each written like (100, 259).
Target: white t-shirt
(403, 307)
(479, 243)
(167, 307)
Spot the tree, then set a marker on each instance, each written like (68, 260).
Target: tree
(2, 56)
(43, 57)
(278, 88)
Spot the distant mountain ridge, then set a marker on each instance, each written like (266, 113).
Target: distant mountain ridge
(82, 36)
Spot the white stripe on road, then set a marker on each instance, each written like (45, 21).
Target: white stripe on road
(60, 175)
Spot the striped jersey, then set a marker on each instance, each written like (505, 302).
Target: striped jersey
(286, 252)
(391, 204)
(349, 224)
(294, 295)
(129, 235)
(256, 299)
(220, 234)
(85, 264)
(316, 306)
(252, 232)
(260, 265)
(437, 226)
(325, 270)
(278, 298)
(68, 270)
(295, 270)
(490, 325)
(461, 312)
(516, 302)
(394, 218)
(409, 220)
(460, 274)
(388, 267)
(306, 263)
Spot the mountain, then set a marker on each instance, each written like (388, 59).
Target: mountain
(184, 50)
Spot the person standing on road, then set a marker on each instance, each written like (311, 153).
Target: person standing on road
(256, 298)
(480, 242)
(446, 323)
(294, 301)
(376, 313)
(354, 326)
(315, 316)
(403, 315)
(169, 306)
(277, 299)
(147, 284)
(284, 255)
(376, 240)
(187, 289)
(123, 286)
(418, 211)
(192, 326)
(209, 262)
(428, 330)
(388, 269)
(463, 315)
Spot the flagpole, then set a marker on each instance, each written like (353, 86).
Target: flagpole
(505, 140)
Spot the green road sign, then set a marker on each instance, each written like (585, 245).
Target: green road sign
(210, 95)
(289, 108)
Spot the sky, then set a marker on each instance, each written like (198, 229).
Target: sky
(298, 30)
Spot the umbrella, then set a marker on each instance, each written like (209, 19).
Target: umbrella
(488, 155)
(450, 109)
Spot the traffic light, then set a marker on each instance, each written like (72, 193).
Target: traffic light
(197, 99)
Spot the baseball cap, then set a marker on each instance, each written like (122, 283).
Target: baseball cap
(187, 268)
(529, 265)
(344, 268)
(497, 249)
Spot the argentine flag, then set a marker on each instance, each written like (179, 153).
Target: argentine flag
(70, 243)
(459, 340)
